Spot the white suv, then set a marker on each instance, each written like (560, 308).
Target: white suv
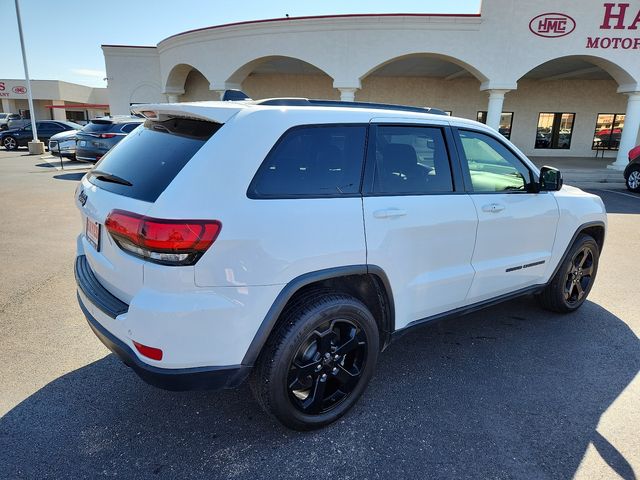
(288, 241)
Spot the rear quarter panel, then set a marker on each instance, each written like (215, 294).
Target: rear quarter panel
(262, 242)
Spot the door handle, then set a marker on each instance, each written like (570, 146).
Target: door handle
(389, 212)
(493, 208)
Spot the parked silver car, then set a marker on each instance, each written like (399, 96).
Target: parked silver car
(64, 144)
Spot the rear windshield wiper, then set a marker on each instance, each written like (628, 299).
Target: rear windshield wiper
(110, 177)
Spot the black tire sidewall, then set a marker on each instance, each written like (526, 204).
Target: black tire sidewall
(282, 407)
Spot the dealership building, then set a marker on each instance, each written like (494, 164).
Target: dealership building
(559, 78)
(54, 100)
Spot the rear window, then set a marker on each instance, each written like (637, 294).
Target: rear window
(98, 127)
(313, 161)
(143, 164)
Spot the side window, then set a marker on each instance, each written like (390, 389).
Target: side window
(129, 127)
(312, 161)
(410, 159)
(492, 166)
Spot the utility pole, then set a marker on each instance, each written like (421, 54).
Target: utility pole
(36, 147)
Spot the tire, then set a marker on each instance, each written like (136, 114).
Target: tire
(10, 143)
(633, 180)
(318, 362)
(572, 283)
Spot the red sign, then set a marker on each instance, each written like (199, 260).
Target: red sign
(20, 89)
(552, 25)
(1, 86)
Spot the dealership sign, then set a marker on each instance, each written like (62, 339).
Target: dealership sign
(552, 25)
(616, 16)
(6, 90)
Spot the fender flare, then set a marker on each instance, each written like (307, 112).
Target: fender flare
(289, 290)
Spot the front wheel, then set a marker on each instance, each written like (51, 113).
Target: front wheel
(633, 180)
(318, 362)
(571, 284)
(10, 143)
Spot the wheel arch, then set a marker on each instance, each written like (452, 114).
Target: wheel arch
(367, 283)
(594, 229)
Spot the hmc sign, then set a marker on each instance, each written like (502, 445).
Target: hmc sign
(618, 17)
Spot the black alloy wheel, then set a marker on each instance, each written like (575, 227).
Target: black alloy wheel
(569, 287)
(317, 361)
(579, 276)
(327, 366)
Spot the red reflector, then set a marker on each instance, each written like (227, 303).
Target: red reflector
(189, 238)
(150, 352)
(107, 135)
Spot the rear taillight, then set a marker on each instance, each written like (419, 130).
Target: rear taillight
(168, 242)
(107, 135)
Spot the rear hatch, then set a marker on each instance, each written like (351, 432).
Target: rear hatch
(130, 178)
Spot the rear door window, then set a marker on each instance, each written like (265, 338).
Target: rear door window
(143, 164)
(313, 161)
(410, 160)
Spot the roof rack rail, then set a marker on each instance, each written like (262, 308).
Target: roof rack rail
(305, 102)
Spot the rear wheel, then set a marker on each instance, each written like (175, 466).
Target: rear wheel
(573, 281)
(10, 143)
(633, 180)
(318, 362)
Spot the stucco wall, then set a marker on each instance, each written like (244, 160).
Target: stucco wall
(276, 85)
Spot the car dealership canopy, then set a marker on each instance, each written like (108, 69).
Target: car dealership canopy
(557, 77)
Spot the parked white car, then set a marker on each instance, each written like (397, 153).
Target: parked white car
(288, 241)
(5, 118)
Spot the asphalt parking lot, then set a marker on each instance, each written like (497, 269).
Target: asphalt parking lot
(510, 392)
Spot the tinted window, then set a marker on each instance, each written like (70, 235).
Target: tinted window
(150, 157)
(129, 127)
(492, 166)
(97, 127)
(411, 160)
(313, 161)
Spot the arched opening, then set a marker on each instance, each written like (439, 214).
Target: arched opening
(189, 84)
(281, 76)
(425, 79)
(571, 108)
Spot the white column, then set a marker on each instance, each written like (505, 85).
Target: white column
(59, 114)
(629, 131)
(347, 94)
(494, 109)
(173, 94)
(9, 106)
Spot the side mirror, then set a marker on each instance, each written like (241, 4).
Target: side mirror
(550, 179)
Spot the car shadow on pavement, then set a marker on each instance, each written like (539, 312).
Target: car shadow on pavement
(509, 392)
(77, 176)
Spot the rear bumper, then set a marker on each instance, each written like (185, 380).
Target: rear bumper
(197, 378)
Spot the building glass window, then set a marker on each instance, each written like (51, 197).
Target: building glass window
(506, 121)
(608, 131)
(554, 130)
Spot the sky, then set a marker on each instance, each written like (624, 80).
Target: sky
(63, 37)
